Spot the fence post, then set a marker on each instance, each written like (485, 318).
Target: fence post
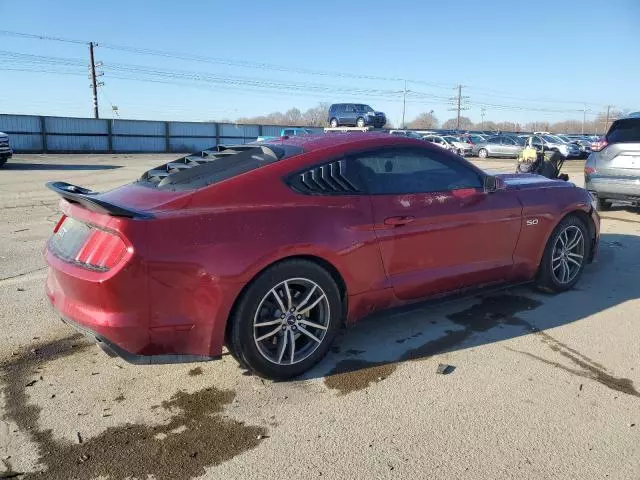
(217, 134)
(110, 135)
(43, 134)
(167, 143)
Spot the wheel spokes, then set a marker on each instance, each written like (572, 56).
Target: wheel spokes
(293, 344)
(306, 299)
(310, 307)
(309, 334)
(278, 299)
(312, 324)
(292, 325)
(283, 347)
(575, 241)
(288, 292)
(277, 321)
(270, 334)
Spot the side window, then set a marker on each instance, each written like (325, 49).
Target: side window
(507, 141)
(349, 108)
(288, 131)
(402, 171)
(494, 140)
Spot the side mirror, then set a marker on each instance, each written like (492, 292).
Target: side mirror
(493, 184)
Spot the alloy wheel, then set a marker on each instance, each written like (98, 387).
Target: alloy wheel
(568, 254)
(291, 321)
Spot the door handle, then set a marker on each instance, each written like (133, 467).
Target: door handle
(398, 221)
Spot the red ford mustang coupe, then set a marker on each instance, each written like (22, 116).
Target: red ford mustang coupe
(270, 248)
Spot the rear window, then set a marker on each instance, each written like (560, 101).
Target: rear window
(624, 131)
(216, 165)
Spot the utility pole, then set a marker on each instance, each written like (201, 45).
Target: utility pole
(94, 83)
(482, 112)
(458, 105)
(584, 117)
(404, 102)
(606, 122)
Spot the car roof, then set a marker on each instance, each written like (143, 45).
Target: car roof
(311, 143)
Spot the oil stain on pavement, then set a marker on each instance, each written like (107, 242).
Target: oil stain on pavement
(196, 437)
(588, 368)
(351, 375)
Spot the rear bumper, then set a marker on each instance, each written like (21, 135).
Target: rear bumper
(114, 350)
(614, 188)
(141, 314)
(595, 240)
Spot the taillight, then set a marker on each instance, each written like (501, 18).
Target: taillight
(86, 245)
(599, 145)
(102, 250)
(589, 170)
(60, 222)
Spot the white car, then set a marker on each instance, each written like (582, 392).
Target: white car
(5, 149)
(449, 142)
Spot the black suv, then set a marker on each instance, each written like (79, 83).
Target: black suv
(355, 114)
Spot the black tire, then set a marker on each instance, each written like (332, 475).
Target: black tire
(547, 280)
(360, 122)
(333, 123)
(483, 153)
(602, 204)
(3, 160)
(244, 344)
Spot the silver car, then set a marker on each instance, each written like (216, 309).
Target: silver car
(499, 146)
(612, 171)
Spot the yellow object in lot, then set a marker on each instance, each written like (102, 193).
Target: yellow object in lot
(529, 154)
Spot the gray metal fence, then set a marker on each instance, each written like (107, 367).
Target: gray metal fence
(41, 134)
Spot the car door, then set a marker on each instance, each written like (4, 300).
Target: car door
(494, 145)
(349, 115)
(438, 231)
(510, 147)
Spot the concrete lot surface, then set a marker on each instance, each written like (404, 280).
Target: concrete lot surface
(543, 387)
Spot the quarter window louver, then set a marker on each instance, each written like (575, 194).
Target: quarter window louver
(330, 178)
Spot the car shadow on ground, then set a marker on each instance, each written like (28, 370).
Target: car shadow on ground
(376, 346)
(57, 166)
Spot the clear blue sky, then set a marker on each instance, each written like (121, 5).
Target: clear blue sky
(514, 59)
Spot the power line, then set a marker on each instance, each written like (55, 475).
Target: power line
(280, 68)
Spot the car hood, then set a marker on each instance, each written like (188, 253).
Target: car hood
(3, 135)
(523, 181)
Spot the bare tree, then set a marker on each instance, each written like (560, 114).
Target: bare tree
(465, 124)
(424, 120)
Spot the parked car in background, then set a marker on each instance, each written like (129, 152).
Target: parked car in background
(216, 248)
(612, 171)
(553, 143)
(499, 146)
(290, 132)
(581, 142)
(5, 149)
(451, 143)
(407, 133)
(473, 138)
(355, 115)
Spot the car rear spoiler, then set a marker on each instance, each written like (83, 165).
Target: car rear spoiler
(90, 200)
